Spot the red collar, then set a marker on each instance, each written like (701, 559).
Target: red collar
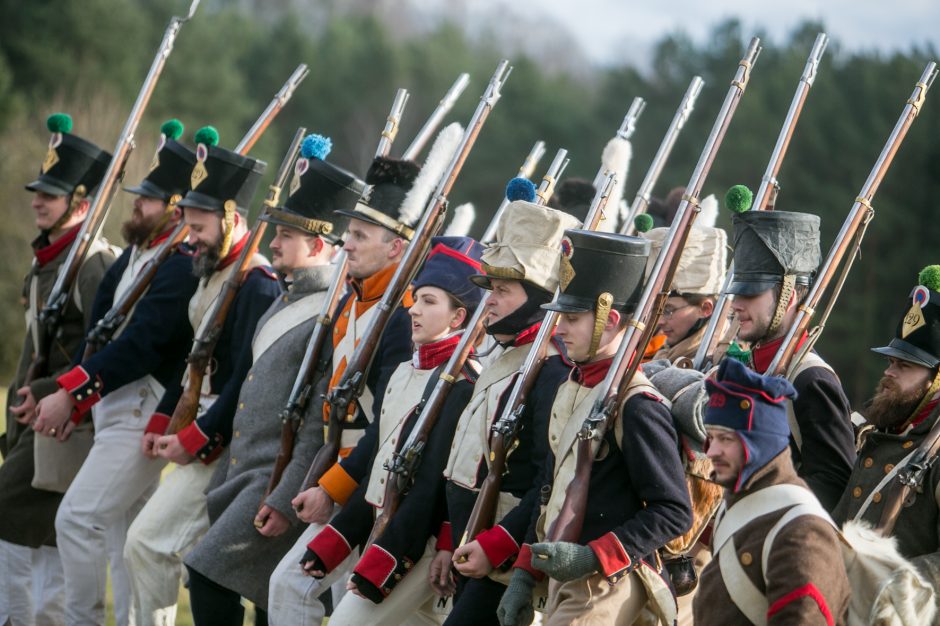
(924, 413)
(590, 374)
(430, 355)
(234, 253)
(156, 241)
(763, 354)
(527, 336)
(45, 254)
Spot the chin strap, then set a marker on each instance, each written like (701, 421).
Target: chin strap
(228, 225)
(78, 195)
(932, 390)
(601, 313)
(164, 219)
(786, 292)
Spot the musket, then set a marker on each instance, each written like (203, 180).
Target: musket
(766, 195)
(51, 314)
(640, 328)
(291, 415)
(404, 463)
(204, 344)
(103, 331)
(506, 427)
(525, 171)
(644, 193)
(849, 240)
(352, 382)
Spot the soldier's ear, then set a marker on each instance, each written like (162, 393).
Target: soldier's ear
(316, 245)
(613, 320)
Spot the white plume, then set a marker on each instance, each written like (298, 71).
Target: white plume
(463, 220)
(440, 156)
(615, 158)
(709, 213)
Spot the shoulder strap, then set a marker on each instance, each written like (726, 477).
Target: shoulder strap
(767, 500)
(810, 360)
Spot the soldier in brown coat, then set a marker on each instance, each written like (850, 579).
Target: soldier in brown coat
(768, 510)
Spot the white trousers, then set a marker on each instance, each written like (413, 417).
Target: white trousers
(31, 592)
(164, 531)
(412, 602)
(113, 484)
(293, 596)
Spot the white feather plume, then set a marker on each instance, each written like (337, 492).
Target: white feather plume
(709, 212)
(615, 158)
(463, 220)
(440, 156)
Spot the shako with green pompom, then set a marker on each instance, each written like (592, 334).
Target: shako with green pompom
(72, 165)
(738, 199)
(321, 193)
(170, 168)
(917, 337)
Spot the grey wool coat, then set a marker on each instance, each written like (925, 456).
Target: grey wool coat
(233, 553)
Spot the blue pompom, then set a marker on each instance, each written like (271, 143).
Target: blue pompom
(315, 147)
(520, 189)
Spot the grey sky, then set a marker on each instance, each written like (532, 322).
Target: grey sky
(611, 31)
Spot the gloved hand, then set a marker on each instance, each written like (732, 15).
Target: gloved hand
(515, 607)
(685, 388)
(312, 565)
(564, 561)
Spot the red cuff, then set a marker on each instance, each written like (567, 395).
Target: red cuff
(85, 392)
(158, 424)
(376, 566)
(445, 540)
(498, 544)
(524, 561)
(330, 546)
(193, 439)
(613, 557)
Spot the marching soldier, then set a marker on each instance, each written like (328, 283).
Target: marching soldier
(776, 254)
(121, 385)
(903, 417)
(695, 288)
(68, 178)
(375, 242)
(221, 187)
(520, 270)
(778, 558)
(637, 498)
(236, 557)
(390, 582)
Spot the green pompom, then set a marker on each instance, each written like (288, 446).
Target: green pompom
(739, 199)
(207, 135)
(643, 222)
(738, 353)
(173, 129)
(59, 123)
(930, 277)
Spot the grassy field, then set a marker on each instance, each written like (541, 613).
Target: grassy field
(183, 615)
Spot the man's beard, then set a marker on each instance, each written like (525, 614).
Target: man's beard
(205, 262)
(138, 228)
(890, 407)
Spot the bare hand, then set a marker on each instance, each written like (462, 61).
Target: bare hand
(470, 560)
(25, 411)
(53, 413)
(270, 522)
(439, 576)
(351, 586)
(314, 506)
(148, 445)
(170, 448)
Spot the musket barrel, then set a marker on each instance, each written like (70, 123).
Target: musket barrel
(392, 123)
(443, 108)
(860, 209)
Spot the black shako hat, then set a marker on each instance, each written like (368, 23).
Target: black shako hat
(71, 162)
(917, 338)
(171, 166)
(221, 177)
(769, 245)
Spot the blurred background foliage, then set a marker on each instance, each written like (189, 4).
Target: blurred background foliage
(89, 58)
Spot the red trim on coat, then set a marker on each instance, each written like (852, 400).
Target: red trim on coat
(430, 355)
(445, 540)
(158, 424)
(762, 355)
(376, 566)
(809, 589)
(234, 253)
(45, 254)
(590, 374)
(528, 335)
(498, 545)
(156, 241)
(84, 392)
(524, 561)
(330, 546)
(611, 554)
(193, 439)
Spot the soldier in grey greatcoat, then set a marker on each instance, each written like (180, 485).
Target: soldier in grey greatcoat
(252, 523)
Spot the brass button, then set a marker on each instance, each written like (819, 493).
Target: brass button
(143, 393)
(381, 481)
(746, 558)
(237, 434)
(554, 438)
(251, 376)
(284, 298)
(876, 498)
(408, 564)
(889, 467)
(397, 576)
(869, 462)
(745, 404)
(234, 461)
(346, 314)
(136, 412)
(393, 441)
(857, 492)
(907, 444)
(241, 405)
